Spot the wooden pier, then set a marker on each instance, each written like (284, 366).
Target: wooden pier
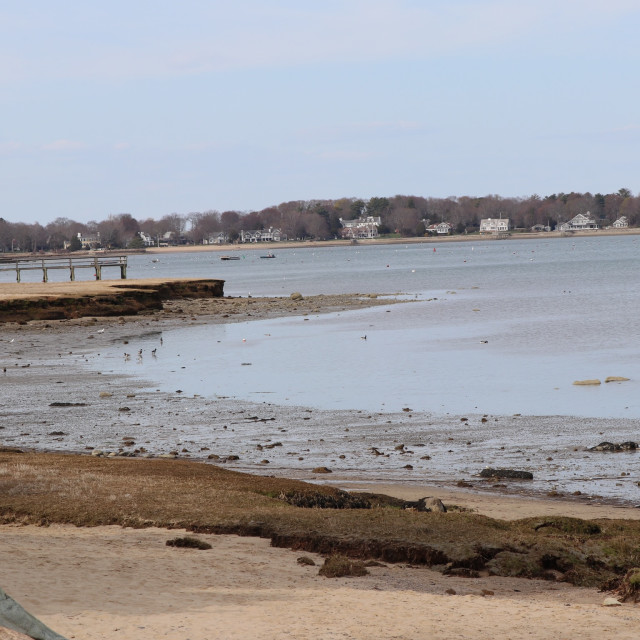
(97, 263)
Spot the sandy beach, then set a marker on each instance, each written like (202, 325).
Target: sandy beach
(108, 582)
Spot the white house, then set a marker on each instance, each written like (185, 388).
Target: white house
(579, 222)
(441, 229)
(621, 223)
(360, 227)
(216, 238)
(261, 235)
(147, 240)
(87, 242)
(494, 225)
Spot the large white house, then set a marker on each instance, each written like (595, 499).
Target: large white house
(494, 225)
(579, 222)
(360, 227)
(261, 235)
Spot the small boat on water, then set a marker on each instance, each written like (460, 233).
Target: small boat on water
(269, 255)
(229, 257)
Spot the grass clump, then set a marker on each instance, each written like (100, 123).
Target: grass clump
(339, 566)
(629, 588)
(189, 542)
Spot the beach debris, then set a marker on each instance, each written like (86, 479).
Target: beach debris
(511, 474)
(306, 561)
(14, 617)
(296, 295)
(189, 542)
(321, 470)
(612, 446)
(339, 566)
(616, 379)
(67, 404)
(611, 602)
(105, 394)
(629, 587)
(594, 381)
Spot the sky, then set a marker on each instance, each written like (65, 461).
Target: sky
(158, 107)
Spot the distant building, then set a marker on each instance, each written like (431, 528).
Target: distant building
(578, 223)
(621, 223)
(261, 235)
(217, 238)
(360, 227)
(147, 240)
(441, 228)
(87, 242)
(494, 225)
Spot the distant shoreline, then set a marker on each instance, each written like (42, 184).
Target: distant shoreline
(319, 244)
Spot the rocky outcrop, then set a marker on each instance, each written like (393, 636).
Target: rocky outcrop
(509, 474)
(613, 446)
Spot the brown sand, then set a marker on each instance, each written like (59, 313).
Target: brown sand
(108, 582)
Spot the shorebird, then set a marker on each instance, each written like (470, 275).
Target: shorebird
(100, 331)
(363, 337)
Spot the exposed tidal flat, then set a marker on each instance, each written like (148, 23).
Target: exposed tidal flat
(475, 369)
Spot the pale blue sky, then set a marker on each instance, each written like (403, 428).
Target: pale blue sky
(158, 107)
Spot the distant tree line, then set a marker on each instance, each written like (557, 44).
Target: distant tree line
(403, 216)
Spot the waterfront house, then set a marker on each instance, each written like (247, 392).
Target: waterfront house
(494, 225)
(578, 223)
(441, 229)
(147, 240)
(360, 227)
(86, 241)
(621, 223)
(216, 238)
(261, 235)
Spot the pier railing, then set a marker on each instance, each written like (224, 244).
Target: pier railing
(97, 263)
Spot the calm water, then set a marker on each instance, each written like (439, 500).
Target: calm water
(496, 327)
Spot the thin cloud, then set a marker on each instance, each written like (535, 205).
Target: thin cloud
(250, 34)
(64, 145)
(10, 147)
(345, 155)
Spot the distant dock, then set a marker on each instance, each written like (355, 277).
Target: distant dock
(71, 263)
